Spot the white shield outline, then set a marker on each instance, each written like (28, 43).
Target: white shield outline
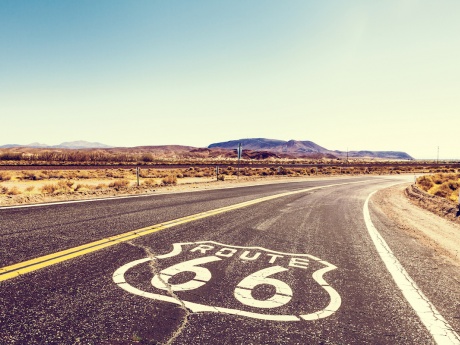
(331, 308)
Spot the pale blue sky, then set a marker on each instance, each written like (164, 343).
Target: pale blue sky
(376, 75)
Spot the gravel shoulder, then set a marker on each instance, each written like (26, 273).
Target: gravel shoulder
(433, 231)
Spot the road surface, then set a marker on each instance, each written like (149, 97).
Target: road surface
(306, 262)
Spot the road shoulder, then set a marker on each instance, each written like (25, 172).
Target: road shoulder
(427, 245)
(433, 231)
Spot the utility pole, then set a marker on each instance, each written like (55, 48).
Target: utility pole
(240, 152)
(437, 157)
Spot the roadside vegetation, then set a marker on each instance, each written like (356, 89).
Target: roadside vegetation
(443, 185)
(99, 181)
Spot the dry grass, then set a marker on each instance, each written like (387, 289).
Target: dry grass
(13, 191)
(149, 183)
(119, 184)
(82, 181)
(5, 176)
(445, 185)
(170, 180)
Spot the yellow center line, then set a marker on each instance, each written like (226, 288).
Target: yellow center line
(15, 270)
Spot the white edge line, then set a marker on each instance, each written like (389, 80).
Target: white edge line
(75, 201)
(438, 327)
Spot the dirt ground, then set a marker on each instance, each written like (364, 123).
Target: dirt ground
(438, 233)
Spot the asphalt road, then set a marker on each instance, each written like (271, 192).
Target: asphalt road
(291, 263)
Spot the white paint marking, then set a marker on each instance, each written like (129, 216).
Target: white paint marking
(438, 327)
(202, 274)
(76, 201)
(242, 292)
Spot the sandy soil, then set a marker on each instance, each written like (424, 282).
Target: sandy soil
(438, 233)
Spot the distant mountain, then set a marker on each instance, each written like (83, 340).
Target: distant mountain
(304, 149)
(291, 147)
(7, 146)
(376, 154)
(274, 145)
(254, 148)
(80, 144)
(37, 145)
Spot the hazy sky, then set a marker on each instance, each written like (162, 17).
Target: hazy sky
(376, 75)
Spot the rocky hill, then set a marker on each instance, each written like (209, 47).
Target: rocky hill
(308, 149)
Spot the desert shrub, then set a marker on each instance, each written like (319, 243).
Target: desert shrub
(147, 157)
(65, 186)
(11, 156)
(54, 174)
(286, 171)
(114, 173)
(45, 174)
(13, 191)
(27, 175)
(454, 185)
(149, 183)
(425, 182)
(221, 177)
(49, 188)
(443, 191)
(3, 190)
(82, 187)
(144, 173)
(83, 174)
(30, 188)
(437, 179)
(170, 180)
(30, 175)
(4, 176)
(119, 184)
(79, 187)
(441, 178)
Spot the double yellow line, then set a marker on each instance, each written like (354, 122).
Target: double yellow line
(15, 270)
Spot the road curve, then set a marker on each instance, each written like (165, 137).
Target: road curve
(290, 263)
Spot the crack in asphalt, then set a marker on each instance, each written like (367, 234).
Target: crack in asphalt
(154, 269)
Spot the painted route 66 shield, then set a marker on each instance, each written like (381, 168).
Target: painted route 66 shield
(248, 281)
